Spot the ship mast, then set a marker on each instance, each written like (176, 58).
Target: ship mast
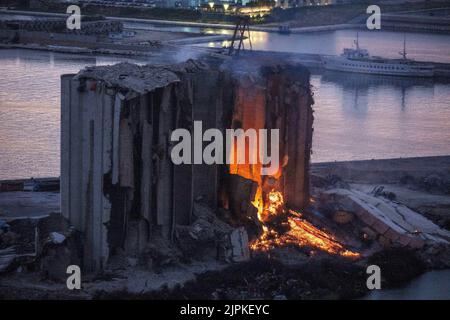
(357, 41)
(403, 54)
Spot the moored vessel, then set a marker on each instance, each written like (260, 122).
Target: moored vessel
(360, 61)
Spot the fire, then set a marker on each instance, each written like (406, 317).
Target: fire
(279, 226)
(300, 232)
(276, 201)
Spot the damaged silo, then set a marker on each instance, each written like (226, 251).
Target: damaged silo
(119, 185)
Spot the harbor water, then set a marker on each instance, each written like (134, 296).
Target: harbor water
(356, 116)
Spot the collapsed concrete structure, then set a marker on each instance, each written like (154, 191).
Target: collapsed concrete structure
(119, 186)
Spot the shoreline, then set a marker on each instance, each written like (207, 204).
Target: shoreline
(320, 167)
(441, 71)
(349, 169)
(405, 27)
(193, 24)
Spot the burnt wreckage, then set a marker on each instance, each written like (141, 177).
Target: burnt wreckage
(119, 186)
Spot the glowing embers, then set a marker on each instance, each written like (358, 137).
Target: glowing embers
(276, 202)
(271, 208)
(294, 229)
(308, 235)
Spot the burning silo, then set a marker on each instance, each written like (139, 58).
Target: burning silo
(119, 184)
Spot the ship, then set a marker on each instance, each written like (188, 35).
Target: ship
(359, 60)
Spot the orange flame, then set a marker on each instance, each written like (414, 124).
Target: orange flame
(301, 232)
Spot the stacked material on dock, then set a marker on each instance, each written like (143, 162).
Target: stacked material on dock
(89, 26)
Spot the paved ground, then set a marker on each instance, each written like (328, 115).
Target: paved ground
(28, 204)
(386, 170)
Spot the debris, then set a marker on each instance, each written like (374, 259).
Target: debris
(398, 265)
(132, 262)
(57, 253)
(436, 255)
(139, 107)
(209, 236)
(335, 181)
(9, 239)
(57, 238)
(368, 234)
(160, 253)
(7, 258)
(138, 79)
(197, 240)
(394, 223)
(379, 192)
(263, 278)
(4, 227)
(342, 217)
(436, 183)
(239, 245)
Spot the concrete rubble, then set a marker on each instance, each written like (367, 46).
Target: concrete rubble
(388, 204)
(45, 243)
(119, 187)
(393, 223)
(209, 234)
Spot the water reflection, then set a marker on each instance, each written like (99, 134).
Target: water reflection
(357, 86)
(424, 47)
(367, 116)
(353, 80)
(356, 116)
(29, 109)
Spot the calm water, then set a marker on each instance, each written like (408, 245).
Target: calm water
(419, 46)
(433, 285)
(356, 117)
(372, 117)
(30, 110)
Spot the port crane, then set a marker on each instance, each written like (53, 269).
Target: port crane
(237, 42)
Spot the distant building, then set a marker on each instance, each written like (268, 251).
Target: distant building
(303, 3)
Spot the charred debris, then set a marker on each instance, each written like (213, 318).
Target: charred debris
(119, 186)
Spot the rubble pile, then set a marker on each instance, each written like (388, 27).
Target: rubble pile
(263, 278)
(46, 245)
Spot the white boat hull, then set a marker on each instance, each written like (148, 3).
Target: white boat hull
(378, 68)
